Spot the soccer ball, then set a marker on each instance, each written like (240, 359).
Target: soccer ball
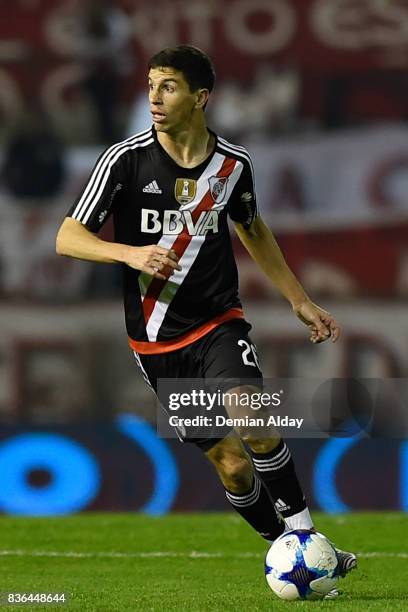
(301, 564)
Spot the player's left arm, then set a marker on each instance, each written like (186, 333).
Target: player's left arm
(264, 250)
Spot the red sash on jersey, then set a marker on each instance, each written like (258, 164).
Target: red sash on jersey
(166, 346)
(183, 241)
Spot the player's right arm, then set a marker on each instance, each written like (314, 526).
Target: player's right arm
(78, 234)
(75, 240)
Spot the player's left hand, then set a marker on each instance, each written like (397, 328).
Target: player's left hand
(321, 323)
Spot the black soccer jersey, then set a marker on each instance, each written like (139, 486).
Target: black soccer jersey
(155, 201)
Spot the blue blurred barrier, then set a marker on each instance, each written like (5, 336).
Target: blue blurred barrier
(124, 466)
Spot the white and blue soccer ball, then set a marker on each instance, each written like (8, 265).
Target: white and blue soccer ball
(301, 564)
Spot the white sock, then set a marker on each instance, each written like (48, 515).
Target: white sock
(301, 520)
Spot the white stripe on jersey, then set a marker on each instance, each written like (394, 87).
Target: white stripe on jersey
(231, 144)
(112, 162)
(100, 174)
(224, 144)
(102, 163)
(167, 241)
(188, 258)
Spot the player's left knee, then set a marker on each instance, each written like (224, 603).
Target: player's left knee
(262, 445)
(242, 396)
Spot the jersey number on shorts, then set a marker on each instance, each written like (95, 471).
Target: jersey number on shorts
(249, 355)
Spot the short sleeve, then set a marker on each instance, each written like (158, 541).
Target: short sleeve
(243, 207)
(101, 192)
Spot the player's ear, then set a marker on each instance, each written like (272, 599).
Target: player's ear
(202, 98)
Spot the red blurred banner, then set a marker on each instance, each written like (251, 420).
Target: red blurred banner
(362, 261)
(324, 36)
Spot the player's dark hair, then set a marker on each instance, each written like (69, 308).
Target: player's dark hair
(196, 66)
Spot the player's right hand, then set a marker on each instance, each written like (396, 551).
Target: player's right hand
(321, 323)
(154, 260)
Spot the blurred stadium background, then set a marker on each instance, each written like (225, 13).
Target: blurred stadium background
(317, 90)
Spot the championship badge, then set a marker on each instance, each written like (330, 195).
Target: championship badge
(185, 190)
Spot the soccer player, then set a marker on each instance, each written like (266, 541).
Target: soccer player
(171, 190)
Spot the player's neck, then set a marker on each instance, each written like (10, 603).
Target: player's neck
(188, 147)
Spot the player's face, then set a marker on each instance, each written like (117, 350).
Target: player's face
(171, 101)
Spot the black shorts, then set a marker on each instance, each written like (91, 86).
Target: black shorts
(225, 353)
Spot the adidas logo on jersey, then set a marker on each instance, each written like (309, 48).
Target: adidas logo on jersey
(175, 221)
(152, 187)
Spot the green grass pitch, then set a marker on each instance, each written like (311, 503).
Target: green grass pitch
(194, 562)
